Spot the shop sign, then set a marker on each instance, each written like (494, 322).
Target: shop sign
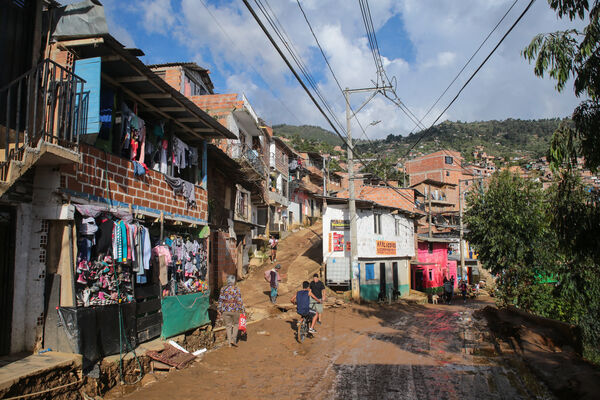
(338, 241)
(340, 224)
(386, 248)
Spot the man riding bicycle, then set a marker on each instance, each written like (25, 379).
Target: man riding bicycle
(302, 301)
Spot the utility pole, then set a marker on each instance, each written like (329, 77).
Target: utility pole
(429, 196)
(352, 206)
(354, 266)
(460, 216)
(324, 177)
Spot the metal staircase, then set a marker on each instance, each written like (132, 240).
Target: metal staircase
(42, 114)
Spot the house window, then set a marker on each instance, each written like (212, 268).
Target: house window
(449, 160)
(369, 271)
(377, 224)
(398, 227)
(447, 173)
(430, 247)
(430, 275)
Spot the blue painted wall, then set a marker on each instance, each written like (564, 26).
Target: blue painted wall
(89, 69)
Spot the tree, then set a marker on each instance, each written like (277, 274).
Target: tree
(567, 54)
(575, 53)
(510, 228)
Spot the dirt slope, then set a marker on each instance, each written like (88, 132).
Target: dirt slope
(300, 256)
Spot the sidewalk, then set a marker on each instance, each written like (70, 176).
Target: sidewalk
(50, 370)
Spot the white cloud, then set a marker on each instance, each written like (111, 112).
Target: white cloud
(444, 34)
(158, 15)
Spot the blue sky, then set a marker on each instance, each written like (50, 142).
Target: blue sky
(423, 42)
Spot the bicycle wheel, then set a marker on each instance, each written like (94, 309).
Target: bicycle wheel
(301, 335)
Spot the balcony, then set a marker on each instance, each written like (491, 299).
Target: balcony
(251, 160)
(278, 198)
(42, 114)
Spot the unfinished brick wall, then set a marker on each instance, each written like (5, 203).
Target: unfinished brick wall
(102, 177)
(224, 258)
(281, 160)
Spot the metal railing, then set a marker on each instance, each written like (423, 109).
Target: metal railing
(47, 103)
(242, 152)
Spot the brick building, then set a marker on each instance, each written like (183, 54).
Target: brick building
(442, 166)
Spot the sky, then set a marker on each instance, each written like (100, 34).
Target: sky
(424, 43)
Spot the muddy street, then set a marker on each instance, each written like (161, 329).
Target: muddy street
(404, 351)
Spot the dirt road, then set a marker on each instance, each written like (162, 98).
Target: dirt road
(403, 351)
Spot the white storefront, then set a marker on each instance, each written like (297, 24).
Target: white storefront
(386, 243)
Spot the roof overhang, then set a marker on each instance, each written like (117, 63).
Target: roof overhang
(123, 70)
(434, 239)
(247, 123)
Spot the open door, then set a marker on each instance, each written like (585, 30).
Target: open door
(395, 282)
(382, 282)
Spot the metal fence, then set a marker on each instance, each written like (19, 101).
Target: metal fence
(47, 103)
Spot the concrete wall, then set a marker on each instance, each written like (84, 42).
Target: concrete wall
(294, 208)
(371, 289)
(367, 239)
(32, 230)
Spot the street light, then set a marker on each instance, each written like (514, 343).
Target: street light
(373, 123)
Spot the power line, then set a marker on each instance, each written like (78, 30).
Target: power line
(301, 82)
(298, 60)
(366, 166)
(466, 64)
(250, 65)
(474, 73)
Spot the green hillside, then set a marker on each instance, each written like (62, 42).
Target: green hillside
(308, 132)
(509, 138)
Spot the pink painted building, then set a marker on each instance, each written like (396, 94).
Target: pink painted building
(432, 266)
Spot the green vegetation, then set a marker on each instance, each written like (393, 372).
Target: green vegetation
(308, 133)
(510, 225)
(507, 139)
(564, 55)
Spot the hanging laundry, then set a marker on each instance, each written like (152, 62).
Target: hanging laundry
(142, 141)
(104, 235)
(194, 156)
(163, 156)
(179, 149)
(183, 188)
(146, 249)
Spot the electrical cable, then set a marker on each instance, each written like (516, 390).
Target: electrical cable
(331, 69)
(282, 34)
(467, 63)
(301, 82)
(474, 74)
(298, 61)
(266, 81)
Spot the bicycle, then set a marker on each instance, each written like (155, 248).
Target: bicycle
(303, 326)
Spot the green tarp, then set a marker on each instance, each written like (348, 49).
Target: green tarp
(183, 313)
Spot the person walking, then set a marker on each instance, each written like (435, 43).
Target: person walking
(273, 242)
(317, 298)
(229, 308)
(463, 289)
(273, 277)
(448, 287)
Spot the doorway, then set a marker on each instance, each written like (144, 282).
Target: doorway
(419, 280)
(382, 282)
(395, 283)
(7, 246)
